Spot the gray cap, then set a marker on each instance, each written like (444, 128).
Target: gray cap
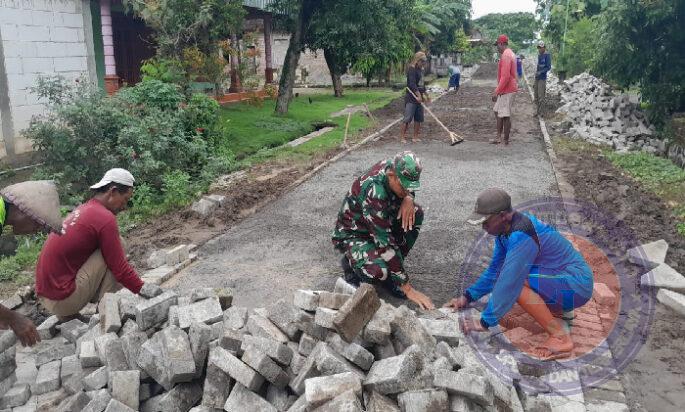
(490, 201)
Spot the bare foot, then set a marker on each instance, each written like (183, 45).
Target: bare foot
(415, 140)
(508, 321)
(494, 141)
(555, 347)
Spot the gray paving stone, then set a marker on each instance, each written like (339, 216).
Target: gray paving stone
(395, 374)
(70, 366)
(378, 329)
(131, 344)
(199, 335)
(664, 276)
(101, 343)
(48, 378)
(279, 398)
(125, 387)
(7, 339)
(606, 406)
(110, 318)
(167, 357)
(206, 311)
(155, 310)
(116, 406)
(300, 405)
(179, 399)
(353, 352)
(408, 330)
(320, 390)
(347, 401)
(324, 317)
(653, 253)
(88, 356)
(235, 317)
(18, 395)
(236, 368)
(309, 327)
(260, 326)
(232, 340)
(274, 349)
(357, 312)
(332, 300)
(306, 299)
(673, 300)
(306, 344)
(75, 403)
(114, 356)
(242, 400)
(286, 317)
(13, 302)
(472, 386)
(98, 401)
(443, 330)
(49, 401)
(343, 287)
(96, 379)
(427, 400)
(459, 403)
(266, 367)
(48, 329)
(217, 386)
(54, 349)
(380, 403)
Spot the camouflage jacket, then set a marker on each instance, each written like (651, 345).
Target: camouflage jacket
(369, 209)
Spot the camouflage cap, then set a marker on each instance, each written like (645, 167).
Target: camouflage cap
(408, 169)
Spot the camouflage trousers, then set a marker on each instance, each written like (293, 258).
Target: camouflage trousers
(372, 263)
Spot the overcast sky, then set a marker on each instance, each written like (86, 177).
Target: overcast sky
(483, 7)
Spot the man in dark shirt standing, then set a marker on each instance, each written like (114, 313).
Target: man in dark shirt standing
(544, 65)
(413, 110)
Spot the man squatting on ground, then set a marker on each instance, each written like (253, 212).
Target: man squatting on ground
(532, 265)
(378, 224)
(88, 260)
(413, 110)
(507, 86)
(29, 207)
(544, 65)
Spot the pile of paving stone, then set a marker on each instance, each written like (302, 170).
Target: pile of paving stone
(596, 114)
(345, 350)
(669, 282)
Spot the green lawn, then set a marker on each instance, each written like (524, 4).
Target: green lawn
(250, 129)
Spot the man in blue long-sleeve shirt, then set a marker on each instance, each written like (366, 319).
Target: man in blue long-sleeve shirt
(544, 65)
(532, 265)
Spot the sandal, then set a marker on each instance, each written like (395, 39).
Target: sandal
(551, 354)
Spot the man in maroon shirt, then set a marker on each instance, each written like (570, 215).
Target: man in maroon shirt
(507, 86)
(88, 260)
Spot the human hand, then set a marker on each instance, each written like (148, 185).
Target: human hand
(24, 329)
(494, 97)
(150, 290)
(471, 324)
(417, 297)
(457, 303)
(407, 213)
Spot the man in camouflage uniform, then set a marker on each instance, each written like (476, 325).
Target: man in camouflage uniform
(378, 224)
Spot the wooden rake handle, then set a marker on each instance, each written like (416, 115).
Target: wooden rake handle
(451, 133)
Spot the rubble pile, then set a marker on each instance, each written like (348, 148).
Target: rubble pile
(596, 114)
(345, 350)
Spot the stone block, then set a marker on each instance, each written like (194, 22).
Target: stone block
(76, 402)
(232, 340)
(48, 378)
(235, 368)
(177, 255)
(300, 405)
(88, 356)
(131, 344)
(242, 400)
(48, 328)
(155, 310)
(307, 370)
(266, 367)
(380, 403)
(275, 350)
(603, 295)
(427, 400)
(664, 276)
(125, 387)
(341, 286)
(347, 401)
(220, 200)
(96, 379)
(156, 259)
(18, 395)
(286, 317)
(460, 403)
(70, 366)
(217, 386)
(394, 375)
(324, 317)
(8, 363)
(235, 317)
(260, 326)
(199, 335)
(466, 384)
(206, 311)
(306, 344)
(356, 312)
(606, 406)
(204, 208)
(225, 296)
(116, 406)
(306, 299)
(322, 389)
(167, 357)
(443, 330)
(110, 317)
(309, 327)
(649, 254)
(384, 351)
(279, 398)
(114, 356)
(673, 300)
(378, 329)
(330, 362)
(353, 352)
(332, 300)
(54, 349)
(12, 302)
(98, 401)
(179, 399)
(49, 401)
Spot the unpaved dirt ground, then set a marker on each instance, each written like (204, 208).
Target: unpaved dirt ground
(655, 379)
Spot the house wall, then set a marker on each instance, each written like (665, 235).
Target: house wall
(39, 37)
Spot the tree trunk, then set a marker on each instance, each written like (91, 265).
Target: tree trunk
(292, 57)
(333, 68)
(236, 86)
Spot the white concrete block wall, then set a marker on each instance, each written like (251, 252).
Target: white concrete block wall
(39, 37)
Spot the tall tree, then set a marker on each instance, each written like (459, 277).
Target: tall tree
(519, 27)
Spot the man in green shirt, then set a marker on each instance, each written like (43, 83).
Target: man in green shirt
(29, 207)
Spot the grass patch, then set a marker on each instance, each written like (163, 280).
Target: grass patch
(28, 249)
(657, 174)
(250, 129)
